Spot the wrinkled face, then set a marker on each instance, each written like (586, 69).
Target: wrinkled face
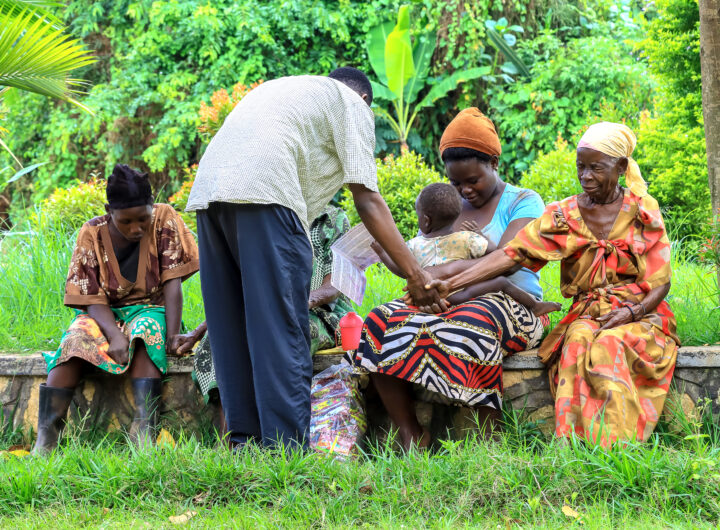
(476, 181)
(132, 223)
(598, 173)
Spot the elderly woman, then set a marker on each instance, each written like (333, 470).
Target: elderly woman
(456, 356)
(124, 281)
(612, 357)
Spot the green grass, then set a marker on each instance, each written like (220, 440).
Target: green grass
(33, 265)
(519, 479)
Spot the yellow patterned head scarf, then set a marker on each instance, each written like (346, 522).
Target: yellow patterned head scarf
(616, 139)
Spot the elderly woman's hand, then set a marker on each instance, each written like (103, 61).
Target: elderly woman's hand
(616, 317)
(443, 290)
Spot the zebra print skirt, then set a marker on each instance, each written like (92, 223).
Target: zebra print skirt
(456, 355)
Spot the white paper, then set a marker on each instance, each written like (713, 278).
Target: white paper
(352, 254)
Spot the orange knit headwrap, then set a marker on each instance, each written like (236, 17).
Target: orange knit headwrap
(471, 129)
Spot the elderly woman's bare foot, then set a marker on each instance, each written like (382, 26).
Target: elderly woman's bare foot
(418, 438)
(543, 308)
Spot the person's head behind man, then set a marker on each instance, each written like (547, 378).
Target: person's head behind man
(356, 80)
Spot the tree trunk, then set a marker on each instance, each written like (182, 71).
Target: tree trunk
(710, 72)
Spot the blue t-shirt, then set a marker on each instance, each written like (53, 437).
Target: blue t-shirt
(517, 203)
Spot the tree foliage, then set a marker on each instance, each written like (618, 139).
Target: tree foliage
(671, 147)
(159, 59)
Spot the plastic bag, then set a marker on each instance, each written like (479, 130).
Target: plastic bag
(337, 415)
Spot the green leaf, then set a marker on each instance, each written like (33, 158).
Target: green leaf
(399, 66)
(37, 56)
(502, 47)
(40, 8)
(381, 91)
(441, 89)
(24, 171)
(423, 49)
(376, 48)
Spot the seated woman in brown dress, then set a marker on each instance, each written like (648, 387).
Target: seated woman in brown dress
(124, 283)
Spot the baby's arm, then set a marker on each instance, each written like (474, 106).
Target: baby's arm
(387, 260)
(478, 289)
(503, 285)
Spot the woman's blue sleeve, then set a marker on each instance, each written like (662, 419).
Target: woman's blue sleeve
(527, 204)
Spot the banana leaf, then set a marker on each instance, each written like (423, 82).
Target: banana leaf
(399, 66)
(448, 84)
(376, 48)
(423, 49)
(502, 46)
(381, 91)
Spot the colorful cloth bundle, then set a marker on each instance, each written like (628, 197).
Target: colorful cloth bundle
(337, 415)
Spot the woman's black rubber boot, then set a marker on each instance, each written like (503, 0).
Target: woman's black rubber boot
(52, 410)
(146, 391)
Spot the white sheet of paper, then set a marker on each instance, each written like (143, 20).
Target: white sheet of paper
(352, 254)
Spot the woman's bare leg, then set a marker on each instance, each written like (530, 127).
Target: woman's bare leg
(66, 375)
(489, 420)
(397, 399)
(141, 365)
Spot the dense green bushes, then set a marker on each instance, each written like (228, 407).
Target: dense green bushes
(160, 58)
(671, 150)
(67, 209)
(553, 175)
(589, 79)
(400, 180)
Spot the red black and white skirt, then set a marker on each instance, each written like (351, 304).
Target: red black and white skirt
(456, 355)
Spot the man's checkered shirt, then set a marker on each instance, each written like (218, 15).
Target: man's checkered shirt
(293, 141)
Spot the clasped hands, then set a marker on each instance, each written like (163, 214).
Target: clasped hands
(427, 294)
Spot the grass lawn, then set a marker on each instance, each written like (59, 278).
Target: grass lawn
(521, 480)
(518, 480)
(33, 265)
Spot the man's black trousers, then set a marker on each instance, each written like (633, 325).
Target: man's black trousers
(255, 268)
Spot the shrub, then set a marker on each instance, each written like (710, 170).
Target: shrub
(180, 198)
(221, 104)
(553, 175)
(673, 158)
(67, 209)
(671, 146)
(400, 180)
(577, 83)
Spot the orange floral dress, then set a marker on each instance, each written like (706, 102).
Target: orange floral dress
(608, 385)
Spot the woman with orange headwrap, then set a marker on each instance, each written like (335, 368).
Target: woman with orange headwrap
(611, 359)
(456, 356)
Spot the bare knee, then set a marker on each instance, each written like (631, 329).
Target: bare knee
(141, 364)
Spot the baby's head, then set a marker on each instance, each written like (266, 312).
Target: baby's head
(437, 207)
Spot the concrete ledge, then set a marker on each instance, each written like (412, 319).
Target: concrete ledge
(32, 364)
(106, 401)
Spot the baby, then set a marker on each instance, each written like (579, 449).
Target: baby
(438, 206)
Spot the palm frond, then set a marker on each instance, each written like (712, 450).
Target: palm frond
(37, 56)
(41, 8)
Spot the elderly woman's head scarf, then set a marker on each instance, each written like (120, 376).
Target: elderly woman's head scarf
(617, 140)
(473, 130)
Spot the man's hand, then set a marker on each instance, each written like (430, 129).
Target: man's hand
(443, 289)
(616, 317)
(181, 344)
(424, 295)
(118, 348)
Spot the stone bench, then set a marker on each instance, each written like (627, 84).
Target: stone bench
(106, 401)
